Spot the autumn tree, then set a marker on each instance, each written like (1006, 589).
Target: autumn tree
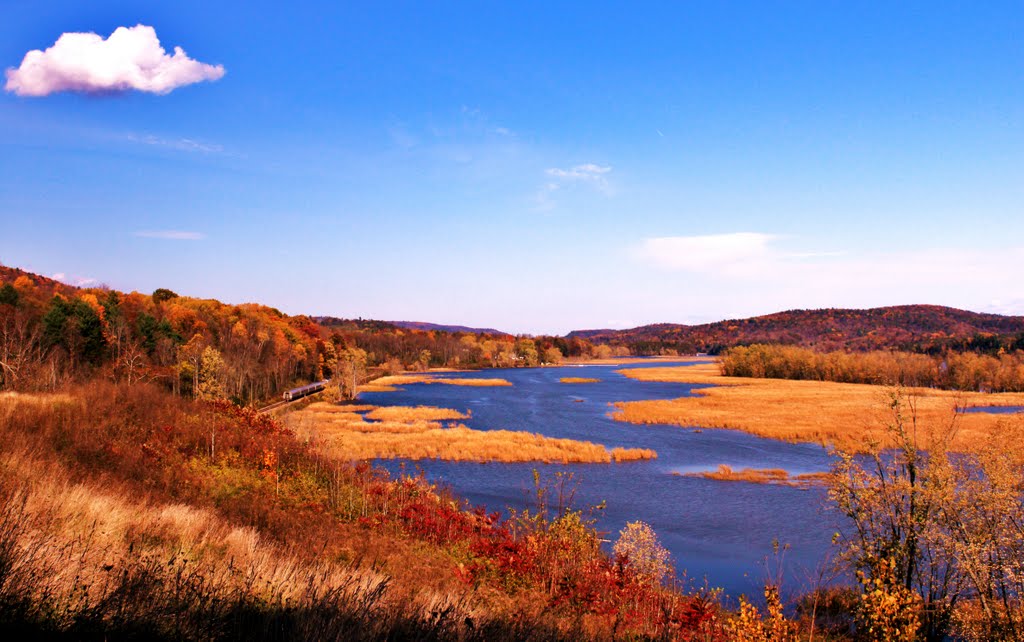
(423, 361)
(638, 545)
(163, 294)
(603, 351)
(211, 374)
(190, 359)
(351, 369)
(894, 501)
(553, 356)
(982, 508)
(526, 352)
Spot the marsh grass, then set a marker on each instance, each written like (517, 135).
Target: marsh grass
(415, 413)
(774, 476)
(843, 415)
(391, 383)
(578, 380)
(417, 433)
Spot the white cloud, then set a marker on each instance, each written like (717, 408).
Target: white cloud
(1013, 306)
(732, 254)
(171, 235)
(77, 281)
(131, 58)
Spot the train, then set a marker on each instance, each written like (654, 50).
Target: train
(302, 391)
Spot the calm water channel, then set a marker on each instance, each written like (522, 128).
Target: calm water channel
(719, 530)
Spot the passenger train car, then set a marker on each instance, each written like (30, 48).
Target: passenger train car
(302, 391)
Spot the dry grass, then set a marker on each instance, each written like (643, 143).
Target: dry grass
(97, 528)
(473, 382)
(36, 398)
(326, 406)
(417, 413)
(416, 433)
(118, 521)
(844, 415)
(633, 454)
(578, 380)
(463, 444)
(80, 558)
(390, 383)
(775, 476)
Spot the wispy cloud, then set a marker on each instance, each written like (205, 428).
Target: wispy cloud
(763, 266)
(171, 235)
(77, 281)
(179, 144)
(559, 178)
(729, 254)
(130, 59)
(588, 172)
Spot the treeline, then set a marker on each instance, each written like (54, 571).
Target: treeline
(396, 349)
(52, 333)
(953, 370)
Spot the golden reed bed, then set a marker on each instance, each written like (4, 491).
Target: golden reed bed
(578, 380)
(843, 415)
(390, 383)
(775, 476)
(418, 433)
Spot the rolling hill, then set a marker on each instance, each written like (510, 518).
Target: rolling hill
(907, 327)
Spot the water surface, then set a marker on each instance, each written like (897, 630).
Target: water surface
(719, 530)
(996, 410)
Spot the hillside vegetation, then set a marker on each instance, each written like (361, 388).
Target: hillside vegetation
(126, 511)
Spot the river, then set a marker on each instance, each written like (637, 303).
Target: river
(719, 531)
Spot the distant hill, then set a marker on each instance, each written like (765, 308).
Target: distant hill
(12, 274)
(385, 326)
(423, 325)
(920, 328)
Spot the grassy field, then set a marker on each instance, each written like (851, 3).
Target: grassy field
(418, 433)
(843, 415)
(578, 380)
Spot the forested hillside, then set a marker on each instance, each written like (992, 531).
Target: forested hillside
(52, 333)
(915, 328)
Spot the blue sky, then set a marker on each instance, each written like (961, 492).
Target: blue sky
(530, 167)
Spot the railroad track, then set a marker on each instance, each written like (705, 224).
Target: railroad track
(285, 402)
(274, 406)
